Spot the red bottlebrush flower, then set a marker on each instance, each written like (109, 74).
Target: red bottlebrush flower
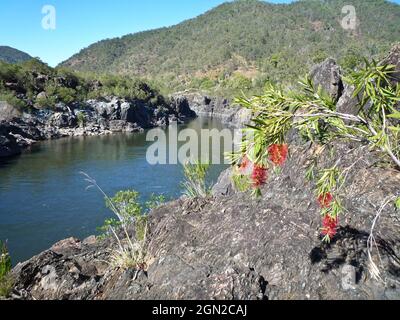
(259, 176)
(329, 226)
(278, 153)
(245, 164)
(330, 222)
(325, 200)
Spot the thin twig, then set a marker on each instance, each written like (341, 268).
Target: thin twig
(374, 269)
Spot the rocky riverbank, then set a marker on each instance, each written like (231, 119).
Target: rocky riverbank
(235, 247)
(232, 246)
(214, 107)
(96, 117)
(99, 117)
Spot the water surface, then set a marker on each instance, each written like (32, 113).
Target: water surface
(43, 196)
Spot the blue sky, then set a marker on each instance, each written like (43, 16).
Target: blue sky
(79, 23)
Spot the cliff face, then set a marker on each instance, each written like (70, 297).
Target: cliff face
(231, 246)
(214, 107)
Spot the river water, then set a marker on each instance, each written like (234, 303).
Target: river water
(43, 196)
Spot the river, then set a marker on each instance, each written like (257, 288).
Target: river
(43, 196)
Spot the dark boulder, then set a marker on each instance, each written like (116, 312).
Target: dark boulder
(394, 59)
(224, 185)
(347, 102)
(327, 75)
(63, 120)
(8, 144)
(8, 112)
(181, 106)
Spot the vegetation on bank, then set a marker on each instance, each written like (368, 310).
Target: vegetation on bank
(33, 84)
(6, 280)
(195, 184)
(373, 125)
(129, 228)
(242, 45)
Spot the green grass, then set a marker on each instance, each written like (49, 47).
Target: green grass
(195, 184)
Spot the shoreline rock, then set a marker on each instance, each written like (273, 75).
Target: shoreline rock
(215, 107)
(96, 117)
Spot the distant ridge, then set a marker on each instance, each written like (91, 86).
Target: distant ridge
(11, 55)
(249, 37)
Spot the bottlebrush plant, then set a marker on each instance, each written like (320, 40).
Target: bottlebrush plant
(313, 114)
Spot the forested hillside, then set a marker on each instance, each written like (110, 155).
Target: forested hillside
(33, 84)
(11, 55)
(244, 43)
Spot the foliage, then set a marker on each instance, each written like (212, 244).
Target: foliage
(131, 255)
(397, 203)
(131, 249)
(281, 41)
(11, 55)
(6, 282)
(155, 201)
(350, 61)
(126, 204)
(195, 184)
(81, 118)
(313, 114)
(34, 84)
(12, 100)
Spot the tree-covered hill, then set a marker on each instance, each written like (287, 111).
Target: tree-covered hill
(11, 55)
(247, 42)
(33, 84)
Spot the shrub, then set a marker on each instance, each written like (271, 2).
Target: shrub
(46, 102)
(397, 204)
(36, 66)
(319, 56)
(239, 81)
(127, 203)
(313, 114)
(9, 72)
(131, 251)
(81, 118)
(12, 100)
(66, 95)
(6, 281)
(195, 184)
(351, 61)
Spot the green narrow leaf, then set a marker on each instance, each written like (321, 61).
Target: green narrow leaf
(395, 115)
(397, 203)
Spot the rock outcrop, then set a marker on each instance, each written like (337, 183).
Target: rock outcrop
(214, 107)
(19, 130)
(327, 75)
(394, 59)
